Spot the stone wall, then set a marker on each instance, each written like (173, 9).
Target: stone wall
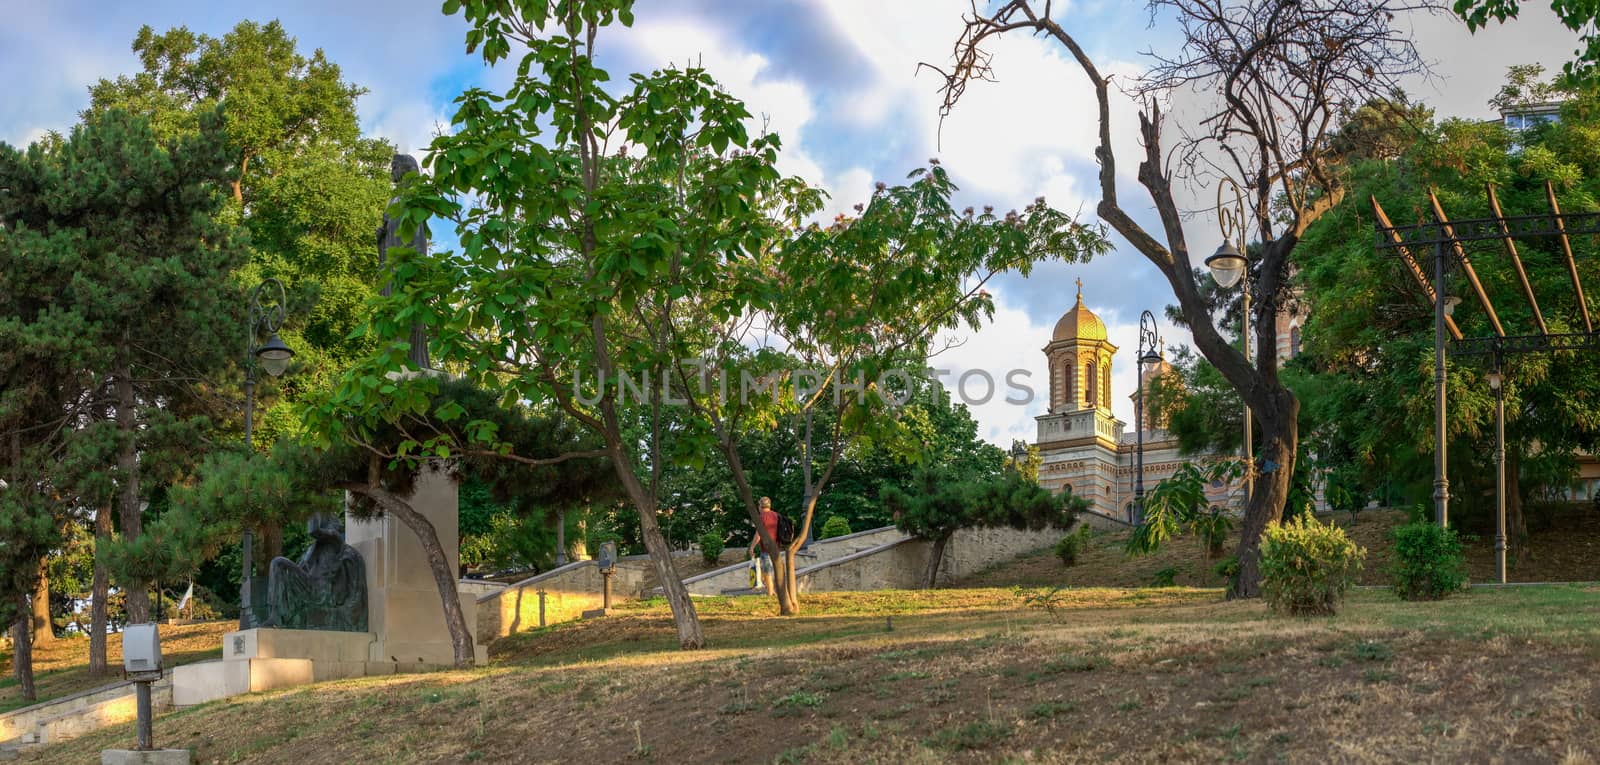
(569, 591)
(71, 716)
(902, 564)
(737, 576)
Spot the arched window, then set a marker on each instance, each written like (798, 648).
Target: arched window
(1066, 488)
(1091, 375)
(1294, 341)
(1105, 385)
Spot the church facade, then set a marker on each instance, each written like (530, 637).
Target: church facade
(1084, 448)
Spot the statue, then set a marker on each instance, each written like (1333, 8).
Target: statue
(389, 236)
(326, 590)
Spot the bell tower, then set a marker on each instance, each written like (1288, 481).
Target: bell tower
(1078, 435)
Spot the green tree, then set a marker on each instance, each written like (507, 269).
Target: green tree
(940, 503)
(305, 184)
(1369, 338)
(272, 96)
(122, 232)
(576, 257)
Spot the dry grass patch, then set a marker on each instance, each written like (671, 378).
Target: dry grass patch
(974, 676)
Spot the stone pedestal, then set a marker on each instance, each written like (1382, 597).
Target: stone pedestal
(145, 757)
(405, 613)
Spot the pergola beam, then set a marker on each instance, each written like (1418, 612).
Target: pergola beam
(1393, 236)
(1516, 260)
(1466, 264)
(1566, 247)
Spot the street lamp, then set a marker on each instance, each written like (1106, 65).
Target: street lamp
(1497, 382)
(1149, 352)
(273, 357)
(1229, 266)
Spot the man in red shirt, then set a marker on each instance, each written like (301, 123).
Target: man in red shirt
(769, 519)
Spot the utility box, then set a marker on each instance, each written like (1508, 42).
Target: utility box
(141, 649)
(608, 556)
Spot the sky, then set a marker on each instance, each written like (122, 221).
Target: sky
(837, 79)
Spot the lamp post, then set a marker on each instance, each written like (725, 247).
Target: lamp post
(1229, 266)
(1498, 383)
(273, 356)
(1149, 352)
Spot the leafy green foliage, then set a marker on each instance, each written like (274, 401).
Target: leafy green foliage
(1428, 562)
(712, 544)
(835, 526)
(937, 504)
(1369, 336)
(1179, 504)
(1072, 545)
(1166, 577)
(1307, 566)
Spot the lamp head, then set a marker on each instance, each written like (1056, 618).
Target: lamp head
(274, 356)
(1450, 303)
(1496, 379)
(1226, 265)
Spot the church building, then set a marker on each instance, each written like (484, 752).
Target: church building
(1083, 447)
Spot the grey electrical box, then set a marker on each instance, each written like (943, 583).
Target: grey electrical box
(608, 556)
(141, 648)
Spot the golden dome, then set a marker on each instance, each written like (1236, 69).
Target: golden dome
(1079, 323)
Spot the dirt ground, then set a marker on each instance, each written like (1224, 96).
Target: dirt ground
(1505, 675)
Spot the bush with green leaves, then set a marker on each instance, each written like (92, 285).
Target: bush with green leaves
(711, 546)
(835, 526)
(1307, 566)
(1179, 504)
(1428, 563)
(1072, 545)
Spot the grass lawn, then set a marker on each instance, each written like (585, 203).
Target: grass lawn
(967, 675)
(61, 667)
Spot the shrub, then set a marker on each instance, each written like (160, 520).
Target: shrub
(835, 526)
(1212, 527)
(1072, 545)
(1167, 577)
(1428, 562)
(1307, 566)
(711, 545)
(1227, 568)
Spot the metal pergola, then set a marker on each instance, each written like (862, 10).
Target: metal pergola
(1448, 240)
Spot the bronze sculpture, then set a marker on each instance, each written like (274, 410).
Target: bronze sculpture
(325, 590)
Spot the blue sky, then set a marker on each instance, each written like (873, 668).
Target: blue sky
(836, 78)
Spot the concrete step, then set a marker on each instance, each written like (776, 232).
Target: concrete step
(745, 591)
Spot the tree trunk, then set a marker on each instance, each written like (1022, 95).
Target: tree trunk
(935, 557)
(43, 629)
(101, 590)
(138, 600)
(684, 617)
(22, 656)
(438, 564)
(1279, 432)
(1516, 519)
(272, 538)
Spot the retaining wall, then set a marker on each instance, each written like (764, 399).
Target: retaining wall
(569, 591)
(79, 713)
(902, 564)
(737, 576)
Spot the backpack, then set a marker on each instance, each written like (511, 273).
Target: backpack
(785, 530)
